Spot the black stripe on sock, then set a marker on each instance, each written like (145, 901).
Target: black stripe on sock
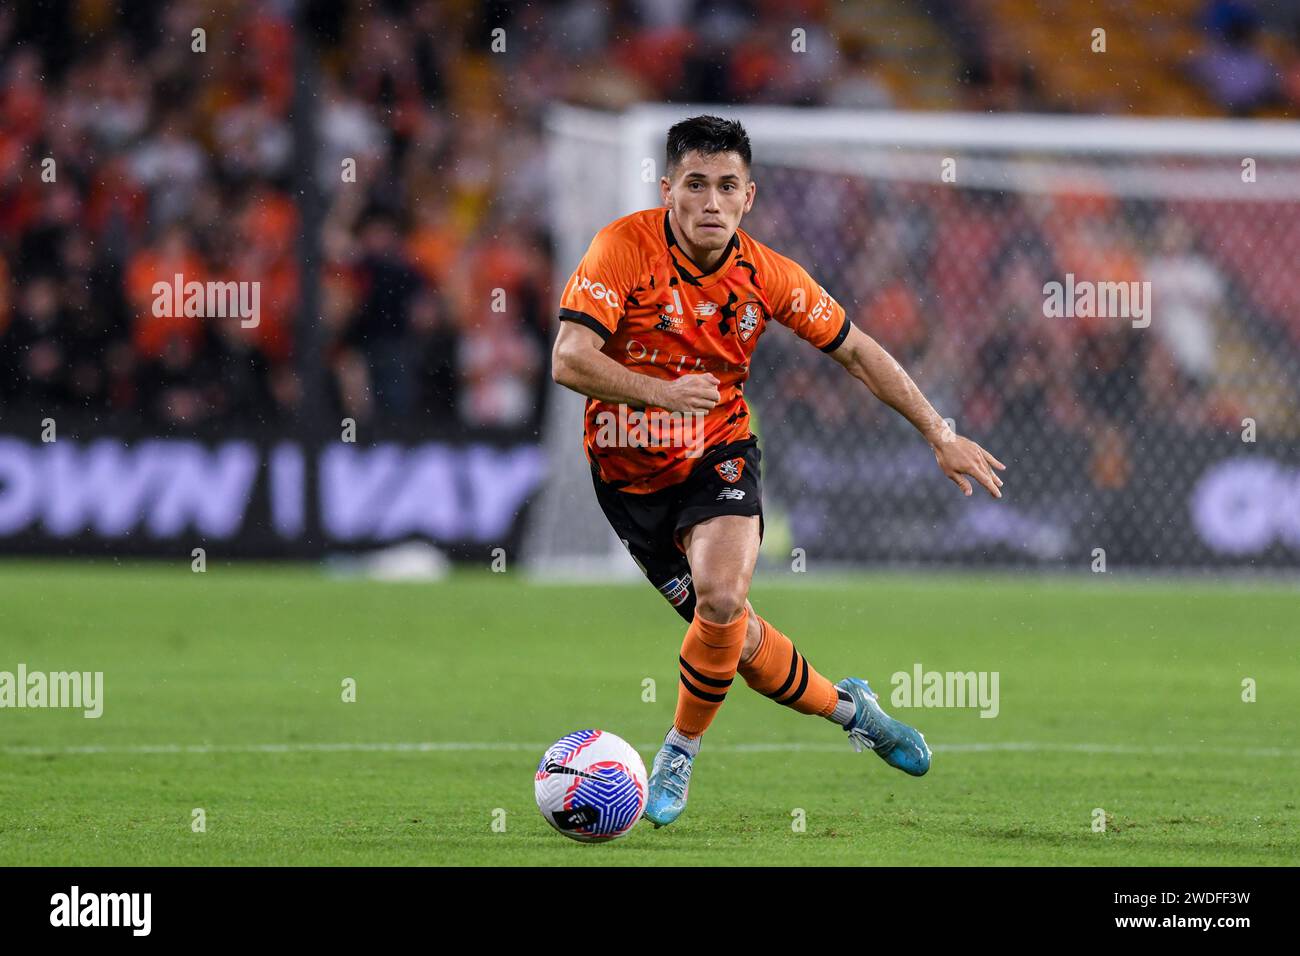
(803, 684)
(794, 669)
(711, 681)
(711, 698)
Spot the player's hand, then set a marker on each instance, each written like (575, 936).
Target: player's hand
(691, 393)
(961, 456)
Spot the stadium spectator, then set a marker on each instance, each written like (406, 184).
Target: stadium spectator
(379, 329)
(1191, 292)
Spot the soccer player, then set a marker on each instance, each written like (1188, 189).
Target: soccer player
(660, 322)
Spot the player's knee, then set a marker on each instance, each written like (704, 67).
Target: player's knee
(720, 601)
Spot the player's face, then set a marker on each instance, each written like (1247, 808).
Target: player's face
(709, 195)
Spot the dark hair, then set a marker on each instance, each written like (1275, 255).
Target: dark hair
(707, 135)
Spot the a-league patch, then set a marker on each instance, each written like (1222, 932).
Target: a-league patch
(676, 590)
(730, 470)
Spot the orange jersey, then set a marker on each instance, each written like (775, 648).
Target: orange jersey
(660, 315)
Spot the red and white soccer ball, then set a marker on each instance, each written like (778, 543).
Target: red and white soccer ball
(591, 786)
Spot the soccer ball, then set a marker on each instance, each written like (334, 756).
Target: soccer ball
(591, 786)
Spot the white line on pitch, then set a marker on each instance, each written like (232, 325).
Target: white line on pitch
(448, 746)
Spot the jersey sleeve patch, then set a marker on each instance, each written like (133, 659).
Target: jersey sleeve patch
(596, 294)
(801, 304)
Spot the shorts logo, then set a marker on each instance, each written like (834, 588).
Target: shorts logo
(750, 313)
(676, 590)
(730, 494)
(730, 470)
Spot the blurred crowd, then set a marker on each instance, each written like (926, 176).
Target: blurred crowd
(132, 151)
(170, 155)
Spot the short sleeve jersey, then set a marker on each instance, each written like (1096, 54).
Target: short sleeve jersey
(661, 315)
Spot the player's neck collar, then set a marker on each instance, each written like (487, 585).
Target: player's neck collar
(690, 263)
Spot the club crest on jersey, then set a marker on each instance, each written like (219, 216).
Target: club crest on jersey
(730, 470)
(747, 317)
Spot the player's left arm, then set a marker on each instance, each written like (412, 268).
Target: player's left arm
(870, 364)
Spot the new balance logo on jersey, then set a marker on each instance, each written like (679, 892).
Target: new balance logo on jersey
(730, 494)
(706, 308)
(730, 470)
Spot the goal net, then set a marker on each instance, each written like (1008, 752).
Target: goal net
(1109, 305)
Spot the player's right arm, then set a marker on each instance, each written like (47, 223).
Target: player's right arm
(591, 307)
(577, 362)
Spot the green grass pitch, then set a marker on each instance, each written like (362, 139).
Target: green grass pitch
(223, 691)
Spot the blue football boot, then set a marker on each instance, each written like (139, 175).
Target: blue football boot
(670, 779)
(893, 741)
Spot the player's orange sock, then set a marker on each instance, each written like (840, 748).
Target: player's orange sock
(708, 661)
(779, 671)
